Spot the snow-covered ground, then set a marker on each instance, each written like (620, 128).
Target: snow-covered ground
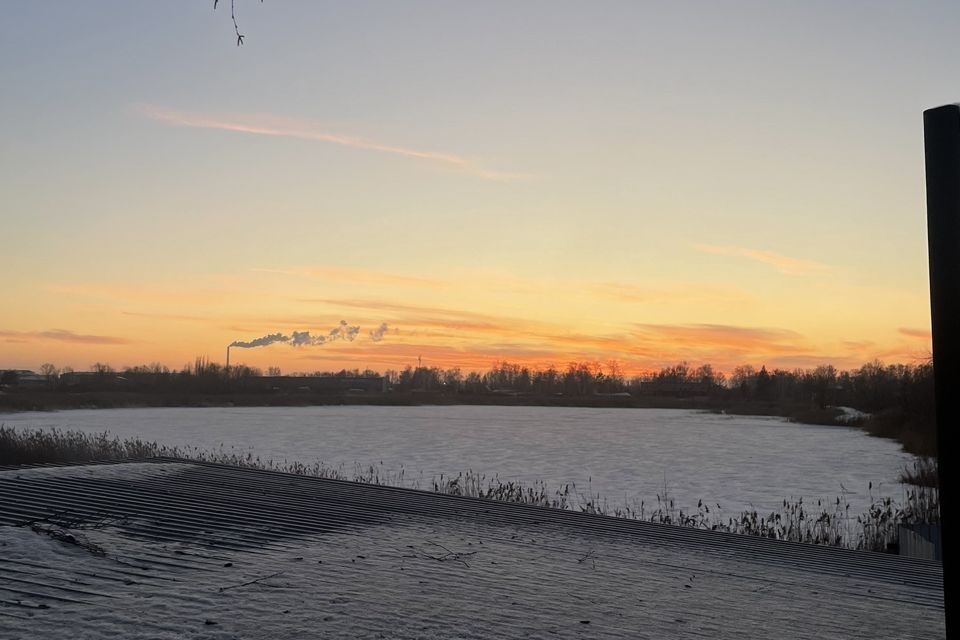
(850, 414)
(411, 573)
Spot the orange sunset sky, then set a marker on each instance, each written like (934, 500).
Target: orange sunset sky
(541, 182)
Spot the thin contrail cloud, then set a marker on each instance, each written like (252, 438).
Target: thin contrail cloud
(63, 335)
(783, 264)
(265, 125)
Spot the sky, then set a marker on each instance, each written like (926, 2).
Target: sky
(542, 182)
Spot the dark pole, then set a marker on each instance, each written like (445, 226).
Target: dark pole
(941, 134)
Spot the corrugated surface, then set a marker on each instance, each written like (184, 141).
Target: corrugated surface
(179, 540)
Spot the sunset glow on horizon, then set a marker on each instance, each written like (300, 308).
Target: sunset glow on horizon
(543, 183)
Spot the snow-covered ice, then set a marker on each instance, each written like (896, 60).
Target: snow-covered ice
(626, 455)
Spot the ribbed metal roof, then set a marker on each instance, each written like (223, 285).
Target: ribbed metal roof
(174, 548)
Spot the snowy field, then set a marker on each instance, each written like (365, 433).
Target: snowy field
(624, 454)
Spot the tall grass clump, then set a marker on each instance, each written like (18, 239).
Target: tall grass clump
(824, 523)
(474, 485)
(922, 473)
(54, 445)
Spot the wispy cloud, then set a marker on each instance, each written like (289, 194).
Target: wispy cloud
(147, 292)
(363, 276)
(646, 345)
(749, 340)
(467, 357)
(267, 125)
(420, 320)
(628, 292)
(680, 292)
(783, 264)
(165, 316)
(921, 334)
(62, 335)
(457, 314)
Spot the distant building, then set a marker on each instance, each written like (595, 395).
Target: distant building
(22, 378)
(84, 380)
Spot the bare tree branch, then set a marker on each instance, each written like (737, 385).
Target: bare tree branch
(233, 16)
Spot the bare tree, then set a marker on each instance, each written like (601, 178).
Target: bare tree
(101, 369)
(49, 371)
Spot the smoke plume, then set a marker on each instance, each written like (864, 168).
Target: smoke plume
(303, 338)
(377, 334)
(343, 331)
(260, 342)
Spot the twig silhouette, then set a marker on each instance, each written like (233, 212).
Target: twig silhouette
(234, 586)
(233, 16)
(456, 556)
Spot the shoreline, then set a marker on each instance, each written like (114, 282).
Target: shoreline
(883, 425)
(32, 401)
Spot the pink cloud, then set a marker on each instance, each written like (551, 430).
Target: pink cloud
(783, 264)
(266, 125)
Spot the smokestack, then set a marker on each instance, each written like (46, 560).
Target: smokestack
(228, 356)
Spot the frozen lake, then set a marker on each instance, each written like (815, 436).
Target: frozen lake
(624, 454)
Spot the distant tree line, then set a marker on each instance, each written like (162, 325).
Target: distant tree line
(899, 397)
(872, 387)
(202, 376)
